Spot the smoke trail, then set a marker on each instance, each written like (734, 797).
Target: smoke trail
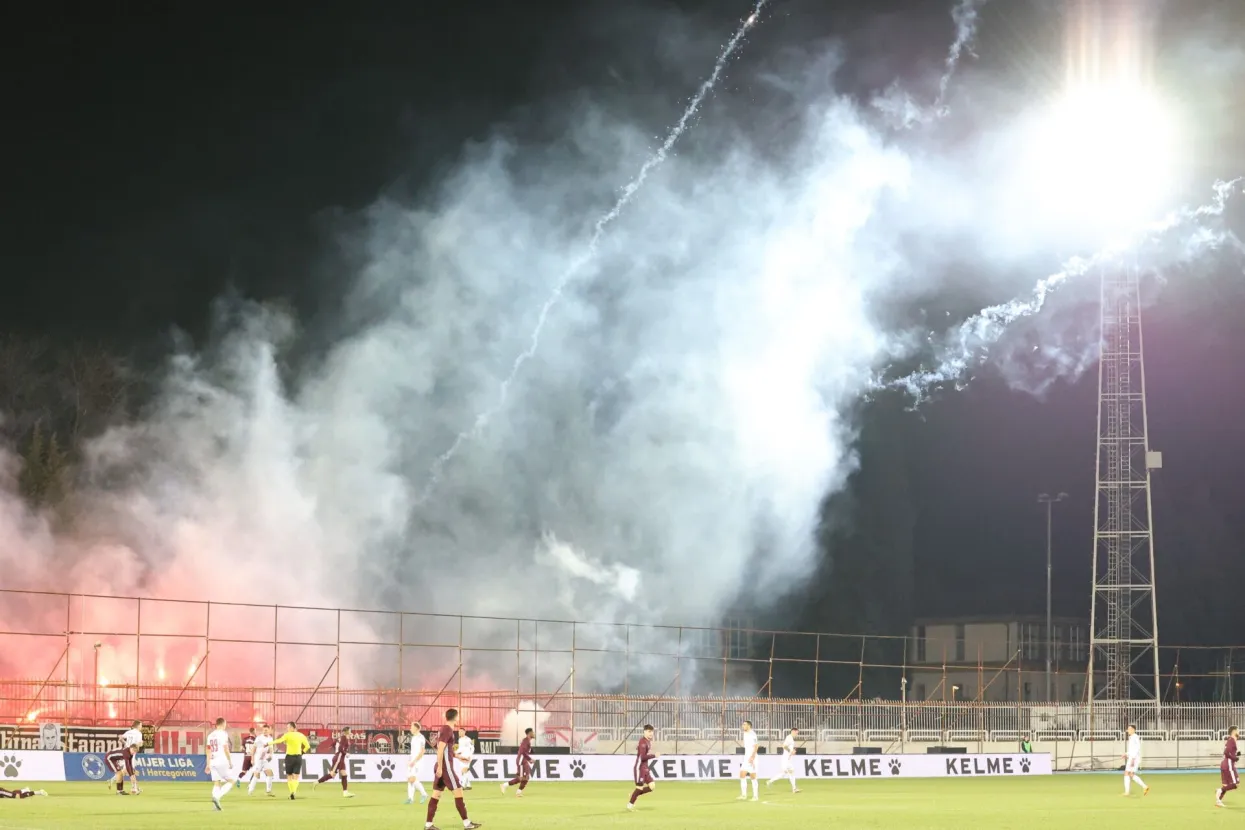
(968, 344)
(629, 191)
(964, 15)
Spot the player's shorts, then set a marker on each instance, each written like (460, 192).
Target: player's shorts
(788, 766)
(247, 763)
(525, 770)
(1131, 764)
(643, 775)
(293, 764)
(221, 772)
(259, 767)
(338, 767)
(1227, 774)
(447, 780)
(746, 768)
(120, 760)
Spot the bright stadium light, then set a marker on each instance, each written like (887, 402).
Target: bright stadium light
(1102, 158)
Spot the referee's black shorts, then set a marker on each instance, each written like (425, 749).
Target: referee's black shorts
(293, 764)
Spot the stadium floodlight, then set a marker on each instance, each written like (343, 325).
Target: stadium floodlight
(1102, 157)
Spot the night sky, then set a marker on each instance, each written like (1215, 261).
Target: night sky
(157, 158)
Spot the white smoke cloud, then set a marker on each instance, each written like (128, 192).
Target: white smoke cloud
(662, 454)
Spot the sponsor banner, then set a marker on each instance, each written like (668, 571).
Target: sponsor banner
(495, 768)
(90, 766)
(79, 739)
(378, 742)
(27, 765)
(177, 740)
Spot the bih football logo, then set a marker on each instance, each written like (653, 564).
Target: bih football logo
(380, 743)
(93, 767)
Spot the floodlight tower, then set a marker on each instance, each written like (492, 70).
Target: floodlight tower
(1124, 629)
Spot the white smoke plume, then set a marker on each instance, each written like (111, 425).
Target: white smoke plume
(662, 456)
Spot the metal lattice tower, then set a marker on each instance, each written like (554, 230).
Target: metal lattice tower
(1124, 615)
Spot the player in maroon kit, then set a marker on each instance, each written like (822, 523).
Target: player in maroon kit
(1227, 767)
(523, 762)
(338, 767)
(248, 752)
(643, 775)
(24, 792)
(444, 777)
(121, 763)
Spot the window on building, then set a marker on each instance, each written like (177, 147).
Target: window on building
(738, 640)
(1056, 652)
(1031, 640)
(920, 644)
(1073, 693)
(1076, 644)
(1028, 691)
(920, 691)
(959, 643)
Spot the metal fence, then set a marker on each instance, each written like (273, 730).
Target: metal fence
(82, 659)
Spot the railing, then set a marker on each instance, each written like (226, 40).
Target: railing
(102, 660)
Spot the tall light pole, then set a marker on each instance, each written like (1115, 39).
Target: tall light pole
(1049, 501)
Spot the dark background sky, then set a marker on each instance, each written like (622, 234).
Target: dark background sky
(154, 157)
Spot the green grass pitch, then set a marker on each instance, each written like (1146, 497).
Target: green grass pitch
(915, 804)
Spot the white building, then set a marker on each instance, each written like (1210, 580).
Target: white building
(996, 659)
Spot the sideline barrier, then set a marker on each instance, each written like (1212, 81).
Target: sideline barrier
(89, 766)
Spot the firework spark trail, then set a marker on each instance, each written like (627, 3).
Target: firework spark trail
(628, 193)
(965, 17)
(967, 345)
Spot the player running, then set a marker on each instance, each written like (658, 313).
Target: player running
(748, 766)
(296, 744)
(262, 753)
(1227, 767)
(642, 774)
(463, 753)
(121, 759)
(788, 761)
(1132, 761)
(24, 792)
(340, 755)
(419, 744)
(248, 756)
(444, 775)
(219, 762)
(523, 762)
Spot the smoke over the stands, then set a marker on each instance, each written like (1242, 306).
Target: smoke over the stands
(662, 458)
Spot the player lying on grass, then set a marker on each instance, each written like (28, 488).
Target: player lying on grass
(24, 792)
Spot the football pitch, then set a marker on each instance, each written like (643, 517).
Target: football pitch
(916, 804)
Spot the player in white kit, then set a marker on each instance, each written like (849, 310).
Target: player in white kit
(1132, 762)
(262, 753)
(465, 749)
(132, 744)
(748, 766)
(419, 745)
(219, 762)
(788, 761)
